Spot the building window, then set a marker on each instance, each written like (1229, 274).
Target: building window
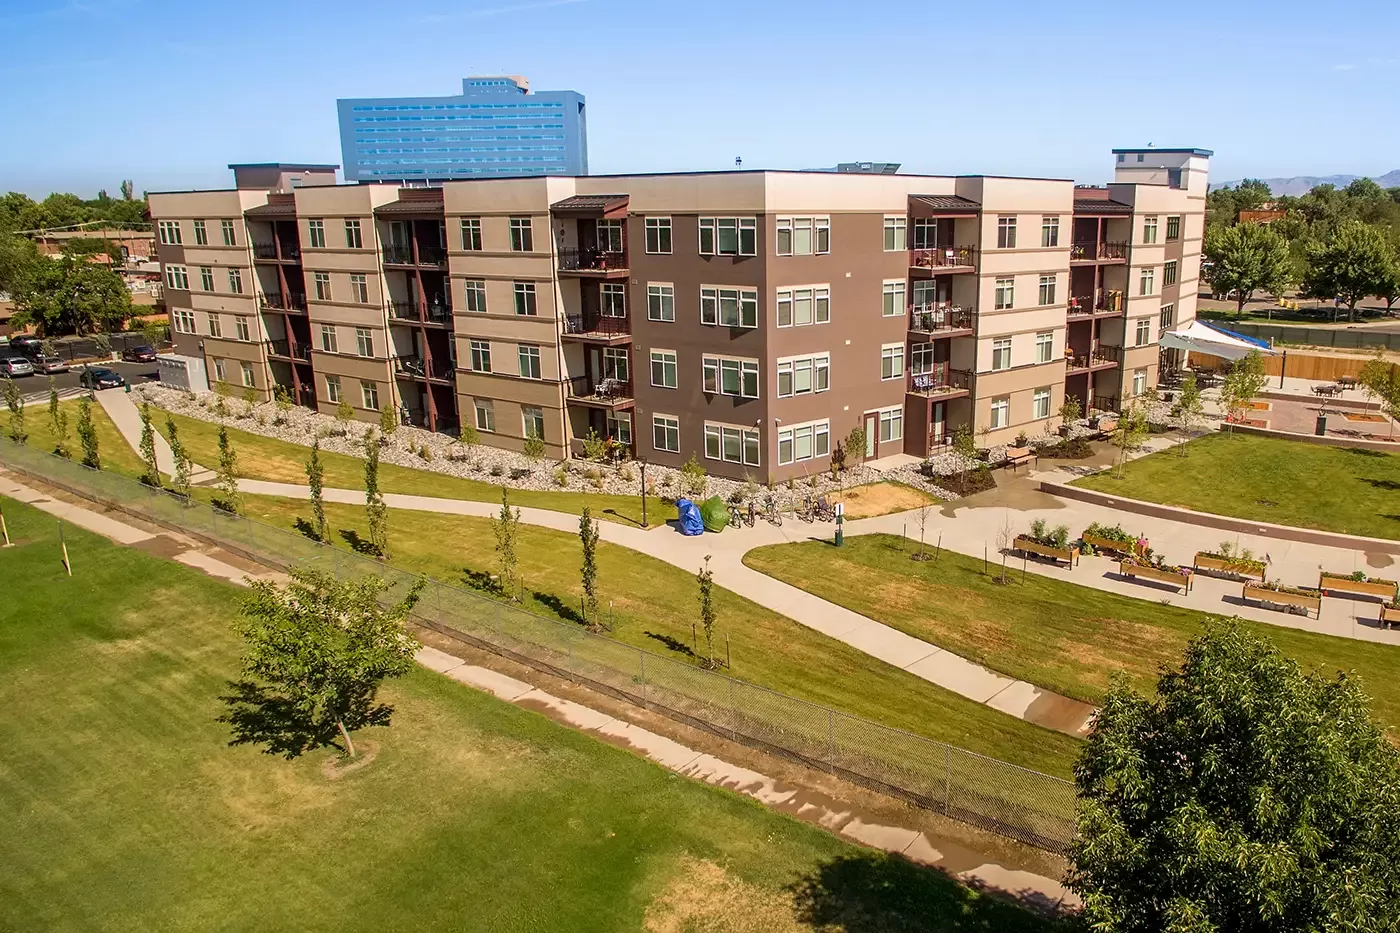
(896, 234)
(727, 376)
(921, 359)
(892, 298)
(525, 299)
(803, 236)
(1005, 295)
(658, 235)
(1047, 289)
(798, 307)
(522, 235)
(364, 342)
(333, 389)
(329, 342)
(169, 232)
(235, 281)
(1006, 233)
(532, 421)
(485, 415)
(481, 356)
(201, 236)
(316, 233)
(206, 278)
(359, 289)
(804, 375)
(219, 371)
(184, 320)
(1040, 403)
(1169, 273)
(247, 372)
(353, 239)
(322, 281)
(1001, 353)
(471, 233)
(1001, 412)
(613, 297)
(731, 444)
(177, 277)
(241, 329)
(1168, 317)
(804, 442)
(609, 234)
(215, 328)
(1148, 282)
(891, 425)
(661, 303)
(1144, 331)
(529, 361)
(1049, 231)
(369, 395)
(475, 295)
(226, 226)
(892, 361)
(1139, 381)
(1149, 230)
(728, 236)
(666, 433)
(729, 307)
(620, 427)
(1044, 347)
(1173, 228)
(663, 369)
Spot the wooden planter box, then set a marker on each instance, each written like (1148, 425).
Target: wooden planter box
(1329, 584)
(1173, 577)
(1265, 595)
(1108, 544)
(1028, 546)
(1389, 616)
(1219, 565)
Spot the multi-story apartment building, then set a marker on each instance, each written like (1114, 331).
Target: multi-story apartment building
(495, 128)
(748, 319)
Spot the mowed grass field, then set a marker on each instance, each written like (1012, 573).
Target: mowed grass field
(1268, 479)
(112, 449)
(1049, 632)
(125, 809)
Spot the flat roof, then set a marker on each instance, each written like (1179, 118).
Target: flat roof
(1200, 152)
(289, 166)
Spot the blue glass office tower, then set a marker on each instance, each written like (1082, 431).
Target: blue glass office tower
(496, 128)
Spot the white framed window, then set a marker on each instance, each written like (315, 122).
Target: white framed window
(803, 375)
(1044, 346)
(329, 341)
(896, 233)
(184, 320)
(731, 444)
(1001, 353)
(892, 361)
(1001, 412)
(728, 236)
(1168, 317)
(471, 235)
(364, 341)
(241, 329)
(230, 239)
(1139, 381)
(333, 389)
(525, 299)
(609, 234)
(1006, 233)
(891, 425)
(1149, 229)
(480, 356)
(485, 415)
(728, 307)
(1169, 273)
(316, 233)
(921, 359)
(206, 278)
(892, 298)
(201, 235)
(532, 421)
(1144, 331)
(522, 235)
(729, 376)
(529, 358)
(666, 433)
(369, 394)
(803, 236)
(177, 277)
(220, 371)
(658, 235)
(1050, 231)
(475, 290)
(322, 281)
(663, 369)
(1047, 289)
(661, 302)
(235, 281)
(169, 232)
(617, 364)
(359, 289)
(1148, 283)
(613, 299)
(215, 327)
(1005, 294)
(247, 373)
(620, 427)
(1040, 403)
(804, 442)
(354, 238)
(798, 307)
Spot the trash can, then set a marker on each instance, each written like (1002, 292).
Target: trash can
(1321, 428)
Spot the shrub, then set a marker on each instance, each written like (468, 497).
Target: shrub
(695, 479)
(497, 470)
(561, 476)
(425, 454)
(624, 473)
(467, 436)
(593, 473)
(594, 447)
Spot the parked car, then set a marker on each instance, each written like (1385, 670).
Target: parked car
(142, 353)
(101, 378)
(16, 366)
(46, 364)
(26, 345)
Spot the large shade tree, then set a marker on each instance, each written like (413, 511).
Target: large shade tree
(1246, 258)
(1247, 795)
(66, 296)
(1349, 265)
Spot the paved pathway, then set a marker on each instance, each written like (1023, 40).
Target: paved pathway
(127, 417)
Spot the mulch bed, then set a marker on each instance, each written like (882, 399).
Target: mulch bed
(965, 484)
(1363, 416)
(1076, 449)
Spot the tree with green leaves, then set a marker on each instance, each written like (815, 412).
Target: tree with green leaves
(855, 445)
(1131, 431)
(1071, 410)
(467, 436)
(1351, 264)
(376, 511)
(228, 474)
(388, 420)
(180, 479)
(1189, 408)
(1242, 384)
(318, 649)
(534, 449)
(1246, 258)
(87, 434)
(148, 448)
(965, 447)
(58, 423)
(344, 414)
(588, 573)
(705, 578)
(1381, 378)
(506, 527)
(315, 482)
(1246, 795)
(282, 400)
(67, 296)
(14, 401)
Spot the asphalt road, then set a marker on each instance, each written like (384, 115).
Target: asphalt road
(36, 387)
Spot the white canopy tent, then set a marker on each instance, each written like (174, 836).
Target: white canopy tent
(1202, 338)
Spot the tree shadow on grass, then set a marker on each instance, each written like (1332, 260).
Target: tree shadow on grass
(307, 529)
(886, 893)
(259, 716)
(1365, 452)
(675, 644)
(480, 580)
(557, 606)
(1387, 484)
(357, 544)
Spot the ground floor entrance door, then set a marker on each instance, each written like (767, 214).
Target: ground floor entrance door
(938, 427)
(872, 434)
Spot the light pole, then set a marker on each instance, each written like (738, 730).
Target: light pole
(644, 492)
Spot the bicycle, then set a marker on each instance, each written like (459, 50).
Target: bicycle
(771, 512)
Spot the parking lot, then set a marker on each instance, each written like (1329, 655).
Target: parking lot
(36, 387)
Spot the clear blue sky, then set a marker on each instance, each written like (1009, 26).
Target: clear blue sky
(168, 92)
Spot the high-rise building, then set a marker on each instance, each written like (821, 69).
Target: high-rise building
(495, 128)
(750, 319)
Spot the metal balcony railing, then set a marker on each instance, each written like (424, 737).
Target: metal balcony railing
(1110, 300)
(265, 250)
(943, 257)
(934, 318)
(606, 389)
(1105, 402)
(1089, 250)
(436, 313)
(941, 379)
(283, 301)
(417, 366)
(572, 259)
(598, 325)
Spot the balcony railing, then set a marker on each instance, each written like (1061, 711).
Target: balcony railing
(434, 256)
(1099, 356)
(435, 313)
(940, 380)
(1105, 402)
(282, 348)
(597, 325)
(590, 260)
(283, 301)
(290, 251)
(943, 257)
(1089, 250)
(417, 366)
(1110, 300)
(934, 318)
(606, 389)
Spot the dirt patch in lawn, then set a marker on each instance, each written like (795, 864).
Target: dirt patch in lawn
(882, 499)
(703, 896)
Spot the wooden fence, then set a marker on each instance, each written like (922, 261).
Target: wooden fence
(1299, 365)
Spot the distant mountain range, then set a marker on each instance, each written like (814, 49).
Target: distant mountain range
(1302, 184)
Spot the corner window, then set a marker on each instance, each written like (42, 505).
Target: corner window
(658, 230)
(661, 303)
(896, 234)
(798, 307)
(729, 307)
(1006, 233)
(169, 232)
(728, 376)
(728, 236)
(803, 236)
(1149, 230)
(731, 444)
(522, 235)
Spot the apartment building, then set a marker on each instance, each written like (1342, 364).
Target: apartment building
(748, 319)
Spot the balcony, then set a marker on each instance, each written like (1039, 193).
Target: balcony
(1095, 359)
(940, 383)
(608, 393)
(595, 328)
(1093, 251)
(283, 350)
(292, 302)
(415, 367)
(429, 257)
(291, 252)
(940, 321)
(944, 259)
(1108, 303)
(1104, 403)
(420, 313)
(594, 263)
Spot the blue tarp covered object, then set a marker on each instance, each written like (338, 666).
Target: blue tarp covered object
(689, 519)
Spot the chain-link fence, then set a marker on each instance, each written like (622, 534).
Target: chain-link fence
(1026, 805)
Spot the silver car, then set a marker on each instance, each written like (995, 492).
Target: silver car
(16, 366)
(44, 363)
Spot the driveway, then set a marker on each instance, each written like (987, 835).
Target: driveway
(36, 387)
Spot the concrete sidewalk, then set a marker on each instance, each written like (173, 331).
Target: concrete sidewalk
(127, 418)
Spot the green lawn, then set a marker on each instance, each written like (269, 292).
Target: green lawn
(116, 454)
(269, 459)
(125, 809)
(1050, 632)
(654, 606)
(1268, 479)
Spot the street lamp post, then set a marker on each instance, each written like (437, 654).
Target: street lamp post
(644, 492)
